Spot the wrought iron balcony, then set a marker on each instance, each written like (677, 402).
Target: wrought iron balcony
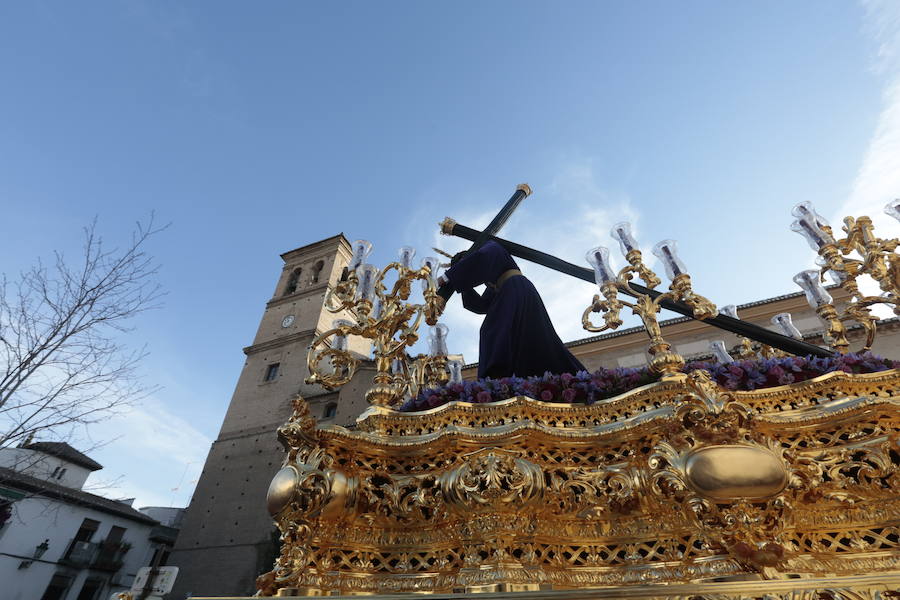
(110, 555)
(79, 553)
(104, 555)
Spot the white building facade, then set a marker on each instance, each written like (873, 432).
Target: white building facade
(59, 542)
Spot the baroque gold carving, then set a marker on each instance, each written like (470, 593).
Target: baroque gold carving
(679, 482)
(492, 480)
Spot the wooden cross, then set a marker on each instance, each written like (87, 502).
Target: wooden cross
(738, 326)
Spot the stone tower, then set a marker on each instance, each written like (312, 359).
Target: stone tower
(227, 537)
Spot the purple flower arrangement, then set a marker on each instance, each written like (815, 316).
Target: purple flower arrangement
(588, 388)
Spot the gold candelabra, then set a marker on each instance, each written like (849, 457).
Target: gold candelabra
(386, 317)
(859, 253)
(664, 360)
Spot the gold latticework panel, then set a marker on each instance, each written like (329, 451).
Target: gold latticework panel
(679, 482)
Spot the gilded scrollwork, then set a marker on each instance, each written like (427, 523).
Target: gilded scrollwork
(699, 484)
(492, 480)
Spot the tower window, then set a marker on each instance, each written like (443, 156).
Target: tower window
(330, 410)
(293, 280)
(345, 274)
(272, 371)
(317, 270)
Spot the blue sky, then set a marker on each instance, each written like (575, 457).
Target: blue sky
(256, 128)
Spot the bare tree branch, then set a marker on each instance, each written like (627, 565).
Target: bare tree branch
(62, 359)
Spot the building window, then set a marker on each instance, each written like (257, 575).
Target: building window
(57, 588)
(91, 589)
(61, 473)
(115, 534)
(330, 410)
(162, 554)
(293, 280)
(317, 270)
(345, 274)
(272, 371)
(55, 472)
(87, 530)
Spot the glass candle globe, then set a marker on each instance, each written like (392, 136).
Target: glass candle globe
(438, 340)
(786, 325)
(406, 254)
(729, 310)
(621, 232)
(892, 208)
(666, 251)
(455, 369)
(361, 251)
(434, 265)
(814, 235)
(365, 289)
(599, 259)
(339, 342)
(378, 309)
(804, 211)
(809, 282)
(720, 351)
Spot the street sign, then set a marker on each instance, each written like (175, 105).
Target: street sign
(162, 583)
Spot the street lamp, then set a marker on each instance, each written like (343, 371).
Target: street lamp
(38, 552)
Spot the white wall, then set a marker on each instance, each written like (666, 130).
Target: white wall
(42, 466)
(34, 520)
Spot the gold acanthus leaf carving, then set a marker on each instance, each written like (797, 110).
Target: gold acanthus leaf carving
(492, 479)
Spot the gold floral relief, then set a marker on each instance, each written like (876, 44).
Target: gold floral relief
(679, 482)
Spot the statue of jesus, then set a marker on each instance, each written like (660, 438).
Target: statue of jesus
(517, 337)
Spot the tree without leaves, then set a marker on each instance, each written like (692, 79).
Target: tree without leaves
(62, 361)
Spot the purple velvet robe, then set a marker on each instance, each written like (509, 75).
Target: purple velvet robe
(517, 337)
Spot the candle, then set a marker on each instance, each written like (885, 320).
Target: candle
(783, 321)
(365, 289)
(809, 282)
(361, 250)
(622, 233)
(339, 342)
(665, 251)
(438, 340)
(720, 352)
(407, 253)
(599, 259)
(729, 310)
(455, 368)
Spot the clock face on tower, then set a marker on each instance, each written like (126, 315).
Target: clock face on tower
(287, 321)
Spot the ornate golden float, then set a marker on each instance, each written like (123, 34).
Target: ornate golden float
(678, 489)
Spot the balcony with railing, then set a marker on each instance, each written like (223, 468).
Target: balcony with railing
(106, 555)
(110, 555)
(79, 553)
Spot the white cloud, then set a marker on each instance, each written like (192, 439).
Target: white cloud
(155, 456)
(878, 179)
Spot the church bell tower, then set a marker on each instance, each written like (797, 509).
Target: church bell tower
(227, 537)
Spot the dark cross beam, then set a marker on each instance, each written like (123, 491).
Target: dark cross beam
(738, 326)
(497, 223)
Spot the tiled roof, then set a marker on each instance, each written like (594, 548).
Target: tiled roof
(39, 487)
(66, 452)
